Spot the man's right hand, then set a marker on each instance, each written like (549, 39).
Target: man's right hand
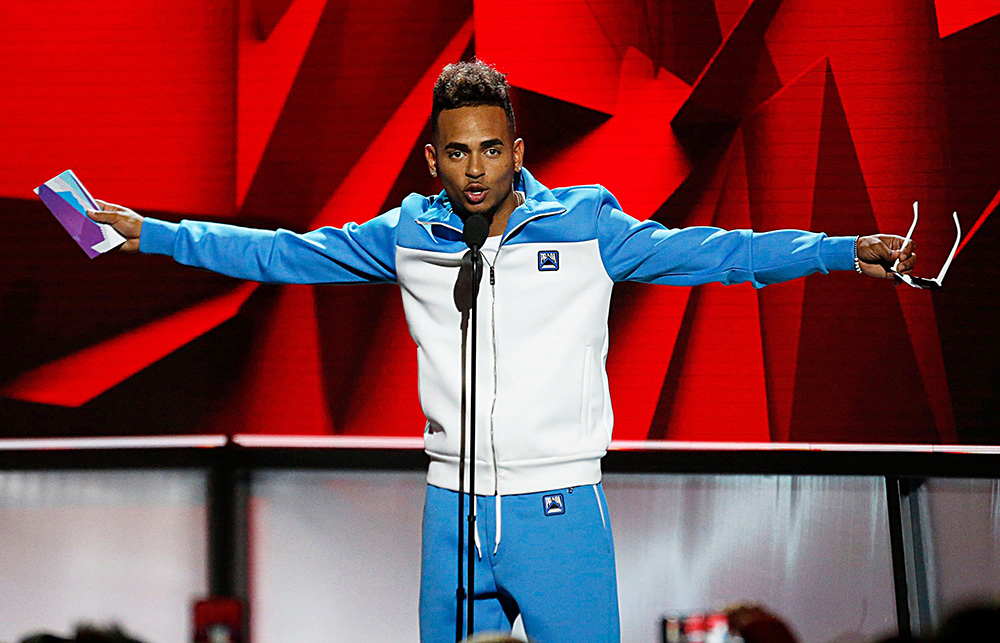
(125, 221)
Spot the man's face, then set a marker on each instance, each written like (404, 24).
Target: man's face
(476, 156)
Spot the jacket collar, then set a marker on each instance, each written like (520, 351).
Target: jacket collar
(538, 201)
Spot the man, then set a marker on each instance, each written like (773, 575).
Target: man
(544, 413)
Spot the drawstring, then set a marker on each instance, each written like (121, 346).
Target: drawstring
(600, 507)
(497, 545)
(475, 532)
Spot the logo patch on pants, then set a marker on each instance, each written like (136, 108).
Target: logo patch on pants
(554, 504)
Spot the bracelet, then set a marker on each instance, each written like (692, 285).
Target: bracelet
(857, 262)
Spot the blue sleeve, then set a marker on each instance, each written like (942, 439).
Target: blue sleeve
(351, 254)
(648, 252)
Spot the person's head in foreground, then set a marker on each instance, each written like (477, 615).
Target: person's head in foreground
(757, 625)
(86, 634)
(496, 637)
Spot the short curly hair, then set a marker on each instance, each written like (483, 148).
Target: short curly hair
(470, 83)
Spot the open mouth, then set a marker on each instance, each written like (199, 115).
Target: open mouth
(475, 194)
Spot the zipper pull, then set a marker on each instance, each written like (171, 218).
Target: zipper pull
(493, 277)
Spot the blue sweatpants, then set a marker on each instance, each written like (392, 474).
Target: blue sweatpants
(554, 565)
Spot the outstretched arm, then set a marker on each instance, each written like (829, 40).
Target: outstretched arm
(351, 254)
(648, 252)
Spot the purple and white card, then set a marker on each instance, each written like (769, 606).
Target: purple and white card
(69, 201)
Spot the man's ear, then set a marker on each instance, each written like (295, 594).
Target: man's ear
(431, 155)
(518, 154)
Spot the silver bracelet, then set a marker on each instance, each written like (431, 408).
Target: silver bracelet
(857, 262)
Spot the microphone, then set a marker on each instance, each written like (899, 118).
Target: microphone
(475, 231)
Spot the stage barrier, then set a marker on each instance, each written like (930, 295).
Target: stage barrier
(322, 537)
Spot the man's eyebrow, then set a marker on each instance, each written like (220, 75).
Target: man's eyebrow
(462, 147)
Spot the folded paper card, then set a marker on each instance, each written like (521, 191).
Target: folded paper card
(69, 201)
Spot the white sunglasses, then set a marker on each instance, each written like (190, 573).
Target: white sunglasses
(920, 282)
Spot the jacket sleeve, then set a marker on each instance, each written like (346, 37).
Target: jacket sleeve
(648, 252)
(351, 254)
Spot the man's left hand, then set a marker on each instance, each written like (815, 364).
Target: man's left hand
(877, 253)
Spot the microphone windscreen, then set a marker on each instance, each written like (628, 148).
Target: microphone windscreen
(475, 231)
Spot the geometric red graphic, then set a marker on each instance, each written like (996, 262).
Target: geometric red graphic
(719, 391)
(80, 377)
(730, 12)
(839, 316)
(955, 15)
(893, 110)
(782, 194)
(146, 117)
(271, 48)
(990, 208)
(581, 66)
(739, 75)
(282, 390)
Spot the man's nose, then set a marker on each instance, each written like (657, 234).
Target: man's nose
(474, 169)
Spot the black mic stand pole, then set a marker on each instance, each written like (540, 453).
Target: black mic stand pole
(471, 563)
(460, 591)
(474, 233)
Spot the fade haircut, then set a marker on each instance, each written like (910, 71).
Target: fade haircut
(470, 83)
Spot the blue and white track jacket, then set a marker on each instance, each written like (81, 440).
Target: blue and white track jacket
(544, 410)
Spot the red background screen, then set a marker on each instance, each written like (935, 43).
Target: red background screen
(830, 116)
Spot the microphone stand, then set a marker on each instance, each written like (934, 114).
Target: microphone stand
(474, 232)
(471, 562)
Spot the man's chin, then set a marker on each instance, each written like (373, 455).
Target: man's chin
(485, 210)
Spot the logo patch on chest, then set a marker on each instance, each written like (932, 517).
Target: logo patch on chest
(548, 260)
(553, 505)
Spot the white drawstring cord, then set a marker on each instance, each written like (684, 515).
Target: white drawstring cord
(600, 507)
(475, 531)
(497, 545)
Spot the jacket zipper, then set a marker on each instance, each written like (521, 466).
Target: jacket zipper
(493, 325)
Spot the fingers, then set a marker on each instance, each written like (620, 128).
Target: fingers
(102, 216)
(109, 212)
(906, 256)
(906, 251)
(906, 266)
(879, 253)
(899, 246)
(111, 207)
(126, 222)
